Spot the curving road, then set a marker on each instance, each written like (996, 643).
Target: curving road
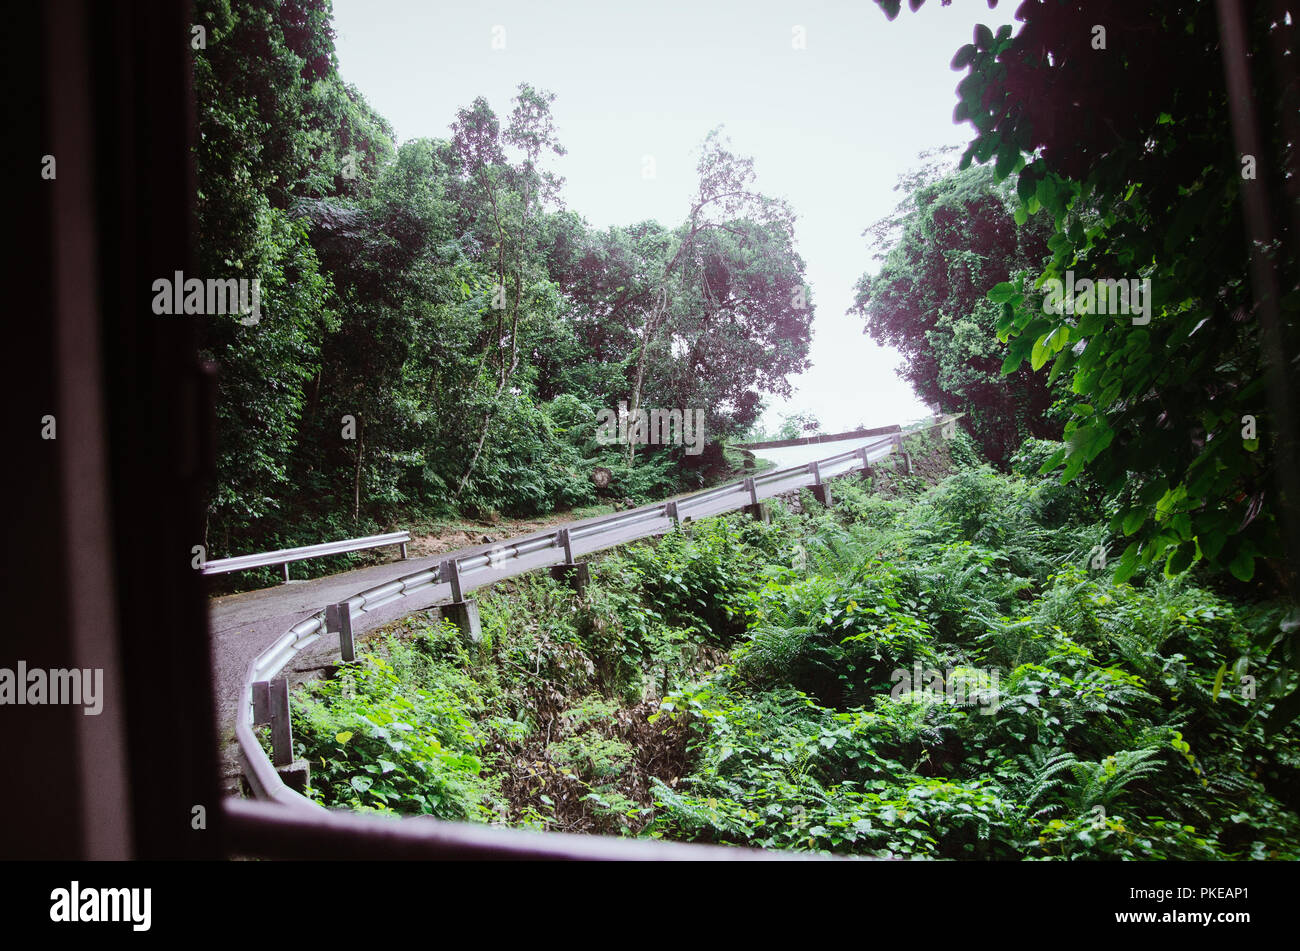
(243, 625)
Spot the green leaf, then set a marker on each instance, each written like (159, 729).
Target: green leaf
(1000, 293)
(1073, 466)
(1285, 710)
(1026, 184)
(344, 736)
(1211, 543)
(1133, 520)
(1218, 681)
(1038, 356)
(1180, 558)
(1127, 564)
(1016, 353)
(1243, 566)
(1008, 155)
(1054, 460)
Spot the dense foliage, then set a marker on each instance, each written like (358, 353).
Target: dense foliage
(930, 671)
(952, 238)
(1123, 133)
(438, 334)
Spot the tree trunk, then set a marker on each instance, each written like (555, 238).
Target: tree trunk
(642, 358)
(478, 449)
(356, 479)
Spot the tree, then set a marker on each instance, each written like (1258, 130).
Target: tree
(259, 83)
(726, 202)
(736, 323)
(510, 198)
(953, 239)
(797, 425)
(433, 318)
(1142, 144)
(388, 254)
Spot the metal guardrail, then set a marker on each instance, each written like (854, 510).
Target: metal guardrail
(285, 556)
(555, 547)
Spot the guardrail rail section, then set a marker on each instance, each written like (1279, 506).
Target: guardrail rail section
(285, 556)
(266, 698)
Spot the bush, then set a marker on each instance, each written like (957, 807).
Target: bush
(385, 735)
(1059, 715)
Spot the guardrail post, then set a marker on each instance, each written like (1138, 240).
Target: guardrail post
(285, 568)
(403, 551)
(821, 491)
(261, 702)
(464, 613)
(338, 617)
(755, 508)
(686, 524)
(271, 705)
(576, 574)
(281, 730)
(866, 463)
(906, 456)
(448, 572)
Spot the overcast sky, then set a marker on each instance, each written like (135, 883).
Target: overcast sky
(830, 127)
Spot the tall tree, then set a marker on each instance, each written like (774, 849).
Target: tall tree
(262, 82)
(953, 240)
(726, 201)
(511, 198)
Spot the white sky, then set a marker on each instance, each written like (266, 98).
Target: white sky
(829, 127)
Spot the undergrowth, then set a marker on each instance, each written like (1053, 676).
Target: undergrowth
(942, 673)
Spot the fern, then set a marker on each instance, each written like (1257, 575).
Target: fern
(1045, 780)
(1100, 783)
